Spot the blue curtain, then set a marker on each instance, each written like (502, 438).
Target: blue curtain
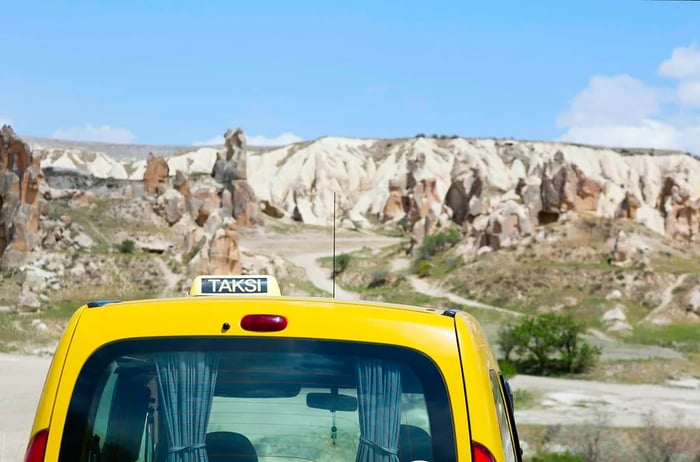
(186, 381)
(379, 407)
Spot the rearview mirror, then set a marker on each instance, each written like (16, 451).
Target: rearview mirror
(331, 402)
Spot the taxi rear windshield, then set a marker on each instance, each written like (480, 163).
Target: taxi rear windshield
(247, 400)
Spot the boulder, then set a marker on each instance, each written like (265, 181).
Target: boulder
(622, 252)
(170, 206)
(202, 203)
(81, 199)
(615, 314)
(27, 301)
(272, 210)
(615, 294)
(155, 177)
(694, 301)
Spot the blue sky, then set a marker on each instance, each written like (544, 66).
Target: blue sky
(176, 72)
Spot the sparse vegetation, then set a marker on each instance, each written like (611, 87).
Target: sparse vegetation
(434, 244)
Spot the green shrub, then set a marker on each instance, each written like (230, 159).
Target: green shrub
(557, 457)
(341, 263)
(423, 269)
(379, 278)
(438, 242)
(547, 345)
(507, 369)
(127, 246)
(403, 223)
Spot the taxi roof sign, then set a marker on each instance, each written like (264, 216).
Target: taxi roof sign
(235, 285)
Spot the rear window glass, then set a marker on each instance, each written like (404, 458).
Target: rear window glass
(273, 400)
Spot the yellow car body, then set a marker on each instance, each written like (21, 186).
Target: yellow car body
(477, 415)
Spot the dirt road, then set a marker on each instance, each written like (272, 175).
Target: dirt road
(21, 380)
(567, 402)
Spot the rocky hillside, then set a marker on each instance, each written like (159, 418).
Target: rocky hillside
(458, 180)
(496, 194)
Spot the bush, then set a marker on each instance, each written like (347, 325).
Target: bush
(127, 246)
(379, 278)
(438, 242)
(507, 369)
(403, 223)
(547, 345)
(420, 135)
(557, 457)
(341, 263)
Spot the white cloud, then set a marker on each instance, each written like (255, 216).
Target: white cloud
(89, 132)
(689, 93)
(623, 111)
(5, 121)
(684, 63)
(281, 140)
(618, 99)
(645, 133)
(213, 141)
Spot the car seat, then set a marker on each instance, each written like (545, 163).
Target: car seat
(230, 447)
(414, 444)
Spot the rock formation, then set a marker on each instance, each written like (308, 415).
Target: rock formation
(465, 195)
(182, 184)
(155, 177)
(629, 206)
(680, 212)
(394, 207)
(214, 249)
(509, 223)
(20, 178)
(231, 170)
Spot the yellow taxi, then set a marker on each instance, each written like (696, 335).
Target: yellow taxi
(236, 372)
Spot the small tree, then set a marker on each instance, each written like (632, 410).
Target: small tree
(547, 344)
(127, 246)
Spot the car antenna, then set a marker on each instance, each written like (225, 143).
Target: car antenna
(334, 269)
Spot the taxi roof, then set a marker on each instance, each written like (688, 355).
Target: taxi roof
(103, 304)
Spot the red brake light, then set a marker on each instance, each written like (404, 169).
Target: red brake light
(263, 322)
(481, 454)
(37, 447)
